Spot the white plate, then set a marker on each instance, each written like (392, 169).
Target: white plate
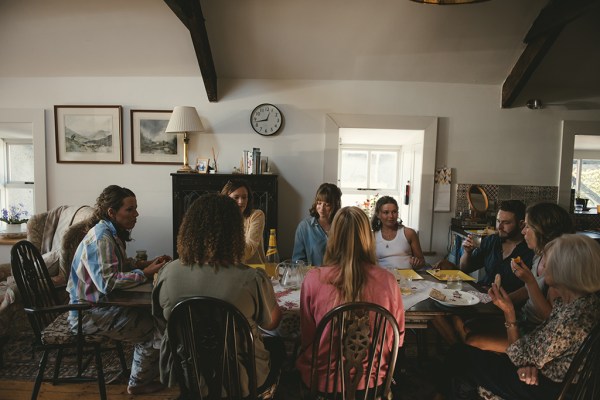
(465, 299)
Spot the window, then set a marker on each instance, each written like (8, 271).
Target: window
(586, 180)
(366, 172)
(17, 184)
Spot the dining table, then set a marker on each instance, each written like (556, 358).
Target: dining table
(420, 309)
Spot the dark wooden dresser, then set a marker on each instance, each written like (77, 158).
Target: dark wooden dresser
(188, 187)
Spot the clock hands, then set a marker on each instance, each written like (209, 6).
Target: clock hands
(262, 120)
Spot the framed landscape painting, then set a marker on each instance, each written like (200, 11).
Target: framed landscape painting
(88, 134)
(149, 142)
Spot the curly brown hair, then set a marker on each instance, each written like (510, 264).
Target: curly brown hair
(212, 232)
(111, 197)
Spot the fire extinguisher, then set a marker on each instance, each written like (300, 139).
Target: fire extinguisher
(407, 193)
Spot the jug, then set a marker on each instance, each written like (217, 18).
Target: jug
(290, 273)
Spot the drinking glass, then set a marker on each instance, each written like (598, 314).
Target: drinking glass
(406, 286)
(476, 239)
(454, 282)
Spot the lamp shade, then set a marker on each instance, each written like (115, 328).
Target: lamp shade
(184, 119)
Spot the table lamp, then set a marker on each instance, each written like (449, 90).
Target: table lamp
(185, 120)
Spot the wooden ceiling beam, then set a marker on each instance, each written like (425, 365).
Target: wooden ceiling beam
(557, 14)
(190, 14)
(541, 36)
(527, 63)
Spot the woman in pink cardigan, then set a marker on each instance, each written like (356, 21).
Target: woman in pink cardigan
(349, 274)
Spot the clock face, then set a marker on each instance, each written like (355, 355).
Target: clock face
(266, 119)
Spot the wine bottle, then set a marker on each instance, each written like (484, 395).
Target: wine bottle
(272, 255)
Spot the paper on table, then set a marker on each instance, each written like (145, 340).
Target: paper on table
(262, 266)
(406, 273)
(443, 274)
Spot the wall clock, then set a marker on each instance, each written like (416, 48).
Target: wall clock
(266, 119)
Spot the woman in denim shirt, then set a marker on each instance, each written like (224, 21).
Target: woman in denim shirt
(312, 232)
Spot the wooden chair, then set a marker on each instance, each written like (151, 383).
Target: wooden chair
(357, 342)
(586, 367)
(211, 338)
(48, 319)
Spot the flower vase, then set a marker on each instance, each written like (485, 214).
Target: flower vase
(13, 228)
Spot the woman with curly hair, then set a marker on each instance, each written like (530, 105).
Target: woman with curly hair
(100, 265)
(396, 245)
(254, 220)
(312, 232)
(211, 246)
(350, 274)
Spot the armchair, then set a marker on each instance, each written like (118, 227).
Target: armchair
(46, 231)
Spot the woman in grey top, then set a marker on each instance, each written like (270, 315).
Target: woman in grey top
(211, 245)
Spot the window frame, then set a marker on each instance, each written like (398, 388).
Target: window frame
(5, 183)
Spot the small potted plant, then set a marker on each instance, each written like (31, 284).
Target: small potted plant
(14, 216)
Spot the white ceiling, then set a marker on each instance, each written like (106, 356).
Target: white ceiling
(389, 40)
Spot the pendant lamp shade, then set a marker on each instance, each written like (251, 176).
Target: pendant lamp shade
(447, 2)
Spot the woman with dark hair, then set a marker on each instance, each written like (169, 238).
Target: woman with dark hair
(312, 232)
(350, 274)
(535, 364)
(211, 246)
(100, 265)
(397, 246)
(254, 220)
(543, 223)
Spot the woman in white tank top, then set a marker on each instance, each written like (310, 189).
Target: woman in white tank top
(397, 246)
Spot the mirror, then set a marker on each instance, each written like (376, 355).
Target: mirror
(478, 200)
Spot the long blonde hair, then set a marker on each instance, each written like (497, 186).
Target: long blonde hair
(350, 247)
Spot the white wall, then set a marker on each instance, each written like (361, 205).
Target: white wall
(480, 141)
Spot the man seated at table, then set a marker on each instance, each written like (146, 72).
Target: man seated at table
(496, 251)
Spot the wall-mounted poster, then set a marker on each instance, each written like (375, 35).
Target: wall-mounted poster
(149, 142)
(88, 134)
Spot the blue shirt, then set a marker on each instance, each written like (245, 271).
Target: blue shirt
(489, 256)
(310, 242)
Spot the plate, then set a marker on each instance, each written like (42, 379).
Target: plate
(443, 274)
(465, 299)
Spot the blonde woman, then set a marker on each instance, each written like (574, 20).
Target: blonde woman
(349, 274)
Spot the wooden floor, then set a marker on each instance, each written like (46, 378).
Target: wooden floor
(20, 390)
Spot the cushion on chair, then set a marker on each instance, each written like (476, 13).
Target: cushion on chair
(487, 395)
(59, 332)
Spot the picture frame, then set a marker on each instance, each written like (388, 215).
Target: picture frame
(88, 134)
(202, 165)
(149, 142)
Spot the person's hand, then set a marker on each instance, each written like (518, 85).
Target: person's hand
(155, 265)
(523, 272)
(528, 375)
(416, 262)
(468, 244)
(163, 259)
(501, 299)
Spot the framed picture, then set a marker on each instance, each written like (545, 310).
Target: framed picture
(149, 142)
(88, 134)
(202, 165)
